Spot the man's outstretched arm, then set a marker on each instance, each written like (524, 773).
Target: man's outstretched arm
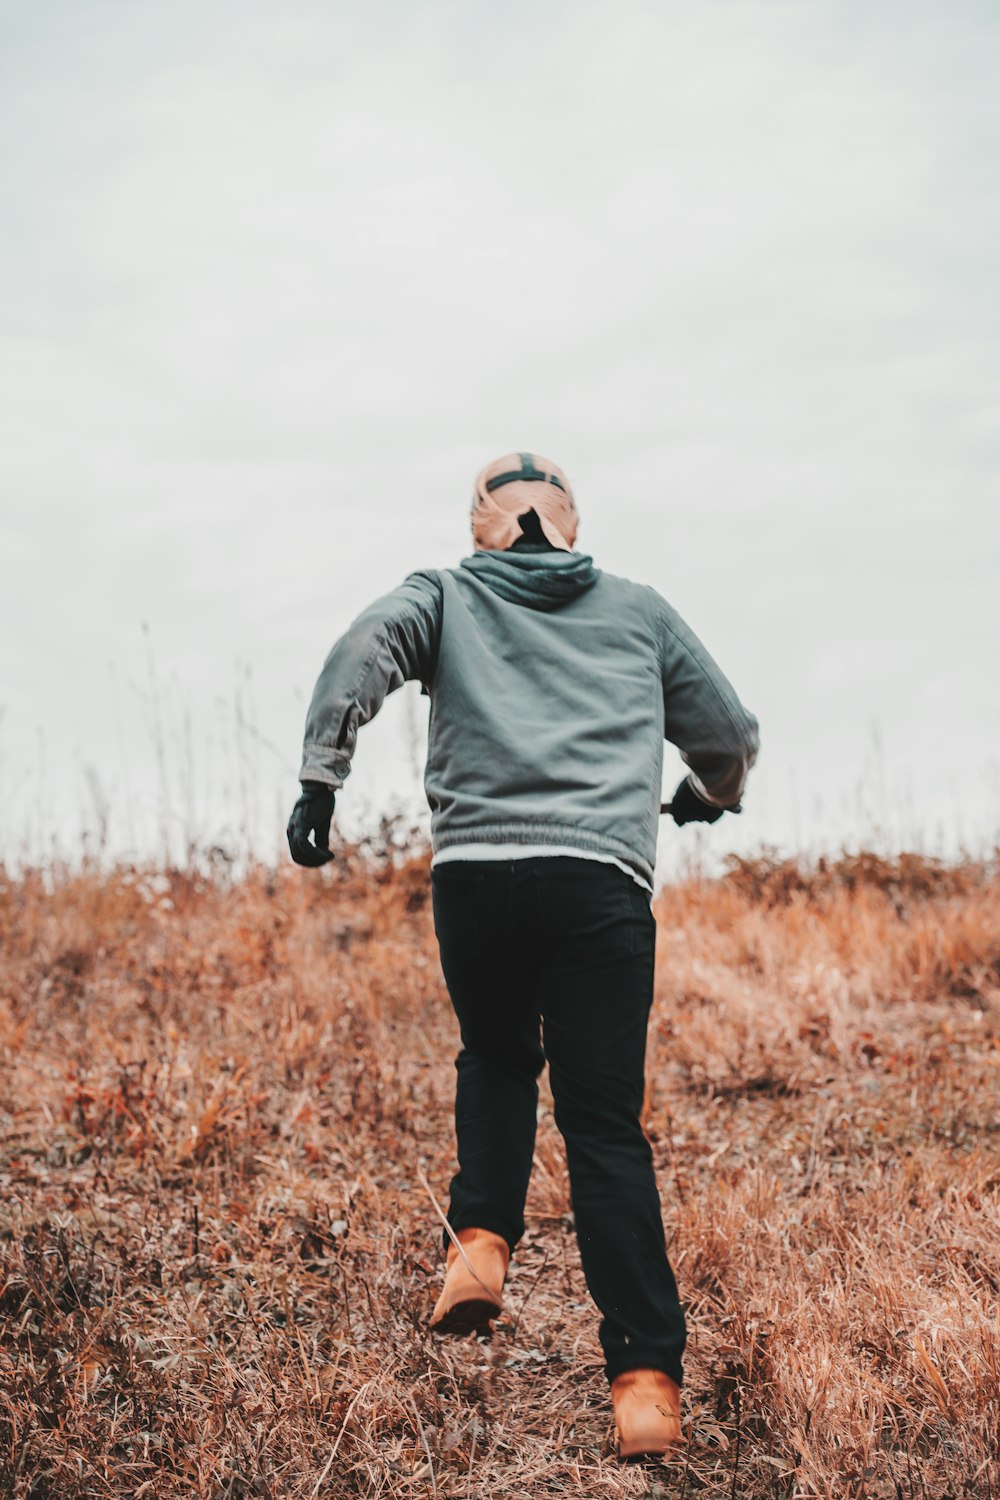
(393, 641)
(716, 736)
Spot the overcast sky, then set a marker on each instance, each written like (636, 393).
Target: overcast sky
(279, 279)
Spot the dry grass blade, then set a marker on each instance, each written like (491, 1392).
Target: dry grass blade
(426, 1446)
(343, 1428)
(933, 1374)
(453, 1237)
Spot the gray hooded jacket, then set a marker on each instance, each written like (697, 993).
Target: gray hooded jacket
(553, 686)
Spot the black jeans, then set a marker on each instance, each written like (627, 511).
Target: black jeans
(557, 953)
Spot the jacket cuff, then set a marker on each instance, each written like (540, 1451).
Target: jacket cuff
(700, 790)
(318, 766)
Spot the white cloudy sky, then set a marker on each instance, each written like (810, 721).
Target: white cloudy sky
(278, 279)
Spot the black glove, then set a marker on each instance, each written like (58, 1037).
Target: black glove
(311, 814)
(688, 807)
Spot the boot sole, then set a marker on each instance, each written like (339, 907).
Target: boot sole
(471, 1316)
(652, 1448)
(632, 1454)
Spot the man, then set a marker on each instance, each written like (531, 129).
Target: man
(552, 686)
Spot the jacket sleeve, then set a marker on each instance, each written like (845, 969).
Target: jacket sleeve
(716, 736)
(391, 642)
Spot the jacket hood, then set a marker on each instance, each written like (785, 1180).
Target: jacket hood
(540, 580)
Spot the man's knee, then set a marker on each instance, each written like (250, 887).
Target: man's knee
(594, 1104)
(501, 1057)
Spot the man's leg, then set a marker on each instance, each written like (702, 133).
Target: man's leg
(489, 967)
(596, 988)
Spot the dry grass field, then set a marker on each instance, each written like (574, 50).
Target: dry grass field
(226, 1115)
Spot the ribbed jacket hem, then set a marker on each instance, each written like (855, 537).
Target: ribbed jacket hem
(542, 832)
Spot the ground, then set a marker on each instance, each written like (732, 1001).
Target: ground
(226, 1136)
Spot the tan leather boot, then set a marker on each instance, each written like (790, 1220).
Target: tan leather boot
(473, 1286)
(647, 1413)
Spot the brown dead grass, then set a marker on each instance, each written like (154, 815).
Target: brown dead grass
(217, 1255)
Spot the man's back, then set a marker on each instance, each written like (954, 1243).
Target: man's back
(546, 722)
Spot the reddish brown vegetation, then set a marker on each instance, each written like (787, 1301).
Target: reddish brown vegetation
(217, 1252)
